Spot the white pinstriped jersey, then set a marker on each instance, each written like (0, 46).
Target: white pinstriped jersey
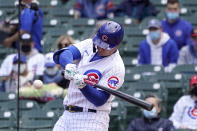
(108, 71)
(35, 63)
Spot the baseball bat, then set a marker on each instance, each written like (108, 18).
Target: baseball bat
(131, 99)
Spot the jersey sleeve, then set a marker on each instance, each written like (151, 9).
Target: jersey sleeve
(114, 78)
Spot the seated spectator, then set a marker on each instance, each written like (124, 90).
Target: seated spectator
(35, 60)
(26, 77)
(53, 74)
(97, 9)
(151, 120)
(64, 41)
(184, 115)
(178, 29)
(188, 54)
(158, 48)
(138, 9)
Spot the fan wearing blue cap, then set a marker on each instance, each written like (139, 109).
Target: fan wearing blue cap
(99, 61)
(158, 48)
(52, 73)
(26, 77)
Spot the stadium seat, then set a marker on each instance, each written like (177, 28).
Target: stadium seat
(7, 96)
(185, 69)
(145, 69)
(35, 124)
(117, 115)
(7, 119)
(56, 105)
(7, 3)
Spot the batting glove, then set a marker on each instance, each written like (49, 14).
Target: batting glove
(79, 80)
(70, 71)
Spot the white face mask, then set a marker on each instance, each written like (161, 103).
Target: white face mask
(22, 68)
(52, 71)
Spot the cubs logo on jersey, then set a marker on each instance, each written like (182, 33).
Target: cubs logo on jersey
(192, 113)
(113, 82)
(93, 75)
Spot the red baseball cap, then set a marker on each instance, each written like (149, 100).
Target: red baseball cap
(193, 80)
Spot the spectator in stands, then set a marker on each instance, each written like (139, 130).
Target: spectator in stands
(138, 9)
(52, 74)
(188, 54)
(177, 28)
(184, 115)
(151, 120)
(64, 41)
(158, 48)
(35, 60)
(97, 9)
(31, 19)
(26, 77)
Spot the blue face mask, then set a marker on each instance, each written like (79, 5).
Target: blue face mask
(172, 15)
(154, 35)
(150, 114)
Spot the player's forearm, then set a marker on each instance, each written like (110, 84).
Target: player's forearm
(97, 97)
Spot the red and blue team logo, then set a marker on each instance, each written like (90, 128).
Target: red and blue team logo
(93, 75)
(113, 82)
(192, 113)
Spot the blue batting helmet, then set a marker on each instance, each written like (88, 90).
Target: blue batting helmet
(109, 35)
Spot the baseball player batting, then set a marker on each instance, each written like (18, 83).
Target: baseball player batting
(87, 108)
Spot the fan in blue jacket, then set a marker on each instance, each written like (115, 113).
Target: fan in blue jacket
(158, 48)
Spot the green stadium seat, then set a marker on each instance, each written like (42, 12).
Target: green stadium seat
(7, 119)
(7, 3)
(185, 69)
(165, 77)
(56, 105)
(7, 96)
(145, 69)
(117, 115)
(46, 129)
(129, 61)
(36, 124)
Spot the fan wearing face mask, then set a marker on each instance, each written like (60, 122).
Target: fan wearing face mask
(25, 76)
(158, 48)
(35, 60)
(188, 54)
(52, 73)
(177, 28)
(151, 120)
(184, 115)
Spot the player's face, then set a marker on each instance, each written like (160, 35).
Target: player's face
(104, 52)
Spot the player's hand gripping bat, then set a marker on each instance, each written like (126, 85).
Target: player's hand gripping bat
(131, 99)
